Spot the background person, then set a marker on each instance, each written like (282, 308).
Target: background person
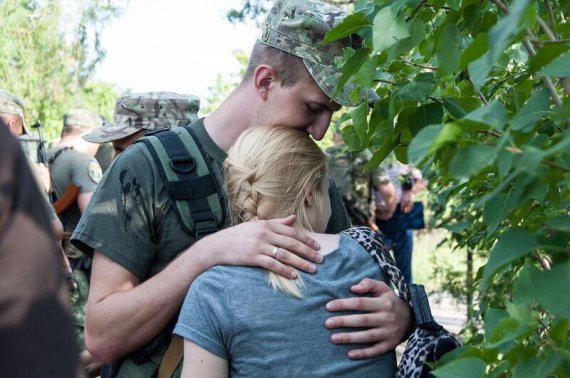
(138, 113)
(272, 326)
(394, 208)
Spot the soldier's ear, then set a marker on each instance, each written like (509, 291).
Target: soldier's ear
(264, 79)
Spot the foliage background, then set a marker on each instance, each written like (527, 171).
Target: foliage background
(475, 92)
(49, 51)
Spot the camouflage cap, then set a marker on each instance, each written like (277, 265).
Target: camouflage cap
(298, 27)
(82, 118)
(149, 111)
(13, 105)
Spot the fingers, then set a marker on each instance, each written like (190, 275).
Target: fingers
(360, 304)
(275, 266)
(373, 351)
(292, 260)
(374, 287)
(290, 232)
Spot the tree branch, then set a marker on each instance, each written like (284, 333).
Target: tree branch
(550, 15)
(528, 46)
(416, 9)
(419, 65)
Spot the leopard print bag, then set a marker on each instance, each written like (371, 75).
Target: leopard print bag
(429, 341)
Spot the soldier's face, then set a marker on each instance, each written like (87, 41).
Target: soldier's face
(303, 106)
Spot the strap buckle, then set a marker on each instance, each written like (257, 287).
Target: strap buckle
(183, 164)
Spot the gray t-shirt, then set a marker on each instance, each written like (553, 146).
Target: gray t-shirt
(233, 313)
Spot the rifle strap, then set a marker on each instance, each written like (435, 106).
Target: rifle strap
(172, 358)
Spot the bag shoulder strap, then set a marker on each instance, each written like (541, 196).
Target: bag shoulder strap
(188, 178)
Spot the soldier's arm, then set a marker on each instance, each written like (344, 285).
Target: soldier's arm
(123, 313)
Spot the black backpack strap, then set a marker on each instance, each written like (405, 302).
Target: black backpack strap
(188, 178)
(429, 341)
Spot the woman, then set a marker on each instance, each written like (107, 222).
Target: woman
(245, 322)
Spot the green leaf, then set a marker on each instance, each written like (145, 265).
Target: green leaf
(494, 212)
(469, 160)
(457, 227)
(351, 139)
(470, 367)
(492, 318)
(379, 156)
(422, 143)
(388, 28)
(542, 366)
(365, 75)
(507, 331)
(419, 89)
(476, 49)
(447, 52)
(560, 223)
(512, 245)
(539, 286)
(545, 55)
(558, 67)
(424, 115)
(479, 69)
(351, 67)
(494, 114)
(417, 34)
(502, 34)
(535, 108)
(350, 25)
(359, 116)
(522, 292)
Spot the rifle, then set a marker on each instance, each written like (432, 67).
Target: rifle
(71, 192)
(41, 145)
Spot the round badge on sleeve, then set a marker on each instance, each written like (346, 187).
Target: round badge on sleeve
(95, 172)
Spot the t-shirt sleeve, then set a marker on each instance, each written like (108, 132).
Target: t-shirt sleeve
(339, 220)
(119, 219)
(86, 173)
(205, 318)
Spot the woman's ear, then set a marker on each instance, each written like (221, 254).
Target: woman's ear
(264, 78)
(309, 199)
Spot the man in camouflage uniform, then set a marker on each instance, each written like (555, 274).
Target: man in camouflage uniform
(144, 261)
(12, 114)
(354, 183)
(72, 163)
(138, 113)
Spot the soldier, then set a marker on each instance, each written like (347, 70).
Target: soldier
(355, 185)
(144, 258)
(136, 114)
(12, 114)
(75, 174)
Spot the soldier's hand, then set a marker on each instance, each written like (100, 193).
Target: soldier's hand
(387, 319)
(271, 244)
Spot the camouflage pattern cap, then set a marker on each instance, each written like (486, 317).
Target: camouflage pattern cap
(148, 111)
(13, 105)
(298, 27)
(82, 118)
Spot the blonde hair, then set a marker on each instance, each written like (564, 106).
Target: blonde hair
(266, 173)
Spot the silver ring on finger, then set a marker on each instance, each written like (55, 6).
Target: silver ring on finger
(274, 252)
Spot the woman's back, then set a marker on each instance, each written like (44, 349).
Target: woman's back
(233, 313)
